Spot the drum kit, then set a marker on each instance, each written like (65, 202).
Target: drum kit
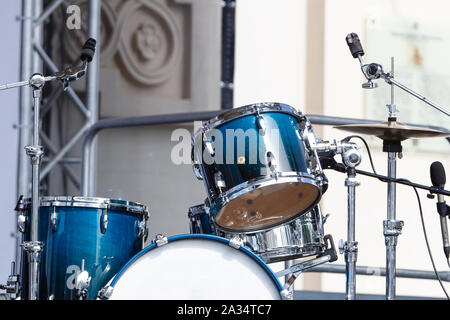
(263, 172)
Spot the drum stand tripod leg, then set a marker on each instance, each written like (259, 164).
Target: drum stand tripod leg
(293, 269)
(287, 278)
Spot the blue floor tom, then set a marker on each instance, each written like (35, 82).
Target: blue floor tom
(84, 238)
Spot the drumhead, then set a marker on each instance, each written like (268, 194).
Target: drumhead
(195, 267)
(266, 203)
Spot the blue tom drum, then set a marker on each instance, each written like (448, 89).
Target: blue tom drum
(258, 166)
(86, 242)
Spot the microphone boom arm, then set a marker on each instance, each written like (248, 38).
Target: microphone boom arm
(375, 71)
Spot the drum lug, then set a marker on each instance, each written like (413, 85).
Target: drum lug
(142, 230)
(208, 144)
(104, 222)
(21, 218)
(21, 223)
(54, 220)
(261, 123)
(160, 240)
(236, 242)
(197, 172)
(220, 182)
(105, 293)
(272, 164)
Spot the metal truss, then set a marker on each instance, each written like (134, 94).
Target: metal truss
(33, 59)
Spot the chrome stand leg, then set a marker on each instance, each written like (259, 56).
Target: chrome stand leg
(33, 250)
(34, 247)
(287, 265)
(351, 247)
(392, 228)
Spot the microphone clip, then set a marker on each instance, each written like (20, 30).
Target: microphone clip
(71, 74)
(443, 209)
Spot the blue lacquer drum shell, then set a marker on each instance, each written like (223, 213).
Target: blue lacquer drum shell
(96, 236)
(258, 166)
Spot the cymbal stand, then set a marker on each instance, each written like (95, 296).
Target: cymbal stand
(34, 247)
(392, 227)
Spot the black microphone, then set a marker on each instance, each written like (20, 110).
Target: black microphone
(88, 51)
(354, 45)
(437, 174)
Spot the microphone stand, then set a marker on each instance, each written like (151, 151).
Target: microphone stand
(34, 247)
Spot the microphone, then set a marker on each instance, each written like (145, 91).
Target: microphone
(88, 51)
(76, 72)
(437, 174)
(354, 45)
(372, 71)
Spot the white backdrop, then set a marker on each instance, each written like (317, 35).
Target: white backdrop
(9, 106)
(271, 66)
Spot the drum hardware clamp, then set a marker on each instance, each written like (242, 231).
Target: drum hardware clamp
(160, 240)
(236, 242)
(33, 250)
(105, 293)
(12, 286)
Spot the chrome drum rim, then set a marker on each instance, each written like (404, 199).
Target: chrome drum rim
(89, 202)
(288, 241)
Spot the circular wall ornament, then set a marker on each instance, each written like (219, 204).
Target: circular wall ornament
(150, 41)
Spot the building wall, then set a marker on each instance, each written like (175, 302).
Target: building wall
(178, 70)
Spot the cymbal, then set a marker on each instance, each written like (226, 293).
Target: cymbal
(393, 131)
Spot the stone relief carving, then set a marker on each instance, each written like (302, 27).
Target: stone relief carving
(143, 34)
(147, 41)
(165, 46)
